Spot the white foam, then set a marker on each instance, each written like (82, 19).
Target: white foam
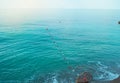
(106, 74)
(55, 80)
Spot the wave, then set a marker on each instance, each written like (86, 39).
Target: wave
(100, 72)
(105, 73)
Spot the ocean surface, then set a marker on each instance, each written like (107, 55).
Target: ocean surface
(57, 46)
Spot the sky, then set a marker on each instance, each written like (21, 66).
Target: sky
(82, 4)
(12, 12)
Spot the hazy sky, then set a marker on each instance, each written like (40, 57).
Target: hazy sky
(84, 4)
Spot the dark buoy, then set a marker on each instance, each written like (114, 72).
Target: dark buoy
(118, 22)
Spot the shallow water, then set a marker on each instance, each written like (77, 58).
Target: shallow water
(57, 47)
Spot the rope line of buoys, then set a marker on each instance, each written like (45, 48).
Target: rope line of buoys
(57, 46)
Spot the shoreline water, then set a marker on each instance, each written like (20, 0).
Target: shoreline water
(117, 80)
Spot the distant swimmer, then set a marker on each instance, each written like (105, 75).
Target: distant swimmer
(86, 77)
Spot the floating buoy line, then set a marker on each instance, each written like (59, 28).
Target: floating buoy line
(57, 47)
(59, 50)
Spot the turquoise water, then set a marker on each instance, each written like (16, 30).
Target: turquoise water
(56, 47)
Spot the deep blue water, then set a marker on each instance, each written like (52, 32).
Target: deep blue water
(57, 46)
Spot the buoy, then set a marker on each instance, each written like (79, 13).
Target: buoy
(118, 22)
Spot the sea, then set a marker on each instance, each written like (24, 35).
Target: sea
(57, 45)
